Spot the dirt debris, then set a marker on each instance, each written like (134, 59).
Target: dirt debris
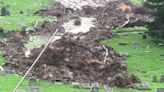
(77, 57)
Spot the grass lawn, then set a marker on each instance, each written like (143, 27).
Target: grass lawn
(144, 59)
(144, 64)
(137, 1)
(13, 21)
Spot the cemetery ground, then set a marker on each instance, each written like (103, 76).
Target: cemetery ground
(21, 13)
(144, 59)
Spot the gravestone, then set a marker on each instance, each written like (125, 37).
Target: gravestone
(96, 84)
(34, 88)
(135, 42)
(20, 91)
(1, 30)
(124, 54)
(28, 12)
(95, 89)
(3, 74)
(122, 43)
(161, 44)
(160, 90)
(8, 70)
(144, 36)
(67, 81)
(161, 59)
(162, 55)
(21, 12)
(109, 89)
(143, 86)
(154, 79)
(21, 23)
(58, 81)
(162, 78)
(5, 11)
(32, 82)
(76, 85)
(86, 85)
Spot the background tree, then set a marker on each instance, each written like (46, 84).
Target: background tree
(156, 27)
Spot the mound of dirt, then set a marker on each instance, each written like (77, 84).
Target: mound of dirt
(77, 56)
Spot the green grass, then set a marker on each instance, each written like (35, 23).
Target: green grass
(9, 23)
(13, 23)
(10, 82)
(143, 64)
(24, 5)
(137, 1)
(131, 29)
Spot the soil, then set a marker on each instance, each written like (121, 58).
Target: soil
(77, 57)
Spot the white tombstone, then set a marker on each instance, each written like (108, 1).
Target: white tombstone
(86, 85)
(143, 86)
(34, 88)
(124, 54)
(20, 91)
(75, 84)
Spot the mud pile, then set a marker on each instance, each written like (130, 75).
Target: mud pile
(73, 57)
(77, 57)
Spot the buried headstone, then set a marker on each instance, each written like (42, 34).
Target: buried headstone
(96, 84)
(143, 86)
(21, 23)
(161, 54)
(20, 91)
(8, 70)
(1, 30)
(161, 59)
(32, 82)
(76, 85)
(3, 74)
(109, 89)
(34, 88)
(58, 81)
(161, 44)
(86, 85)
(5, 11)
(94, 89)
(144, 36)
(124, 54)
(160, 90)
(135, 42)
(162, 78)
(154, 79)
(122, 43)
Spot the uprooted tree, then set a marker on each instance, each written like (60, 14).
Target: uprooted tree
(157, 26)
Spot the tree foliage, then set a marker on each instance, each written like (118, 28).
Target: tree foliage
(157, 26)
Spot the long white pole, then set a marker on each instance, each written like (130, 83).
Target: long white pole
(35, 61)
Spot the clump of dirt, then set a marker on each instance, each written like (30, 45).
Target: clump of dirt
(78, 57)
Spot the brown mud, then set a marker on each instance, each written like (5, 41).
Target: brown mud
(77, 57)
